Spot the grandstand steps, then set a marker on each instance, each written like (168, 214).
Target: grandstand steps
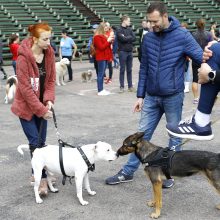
(87, 13)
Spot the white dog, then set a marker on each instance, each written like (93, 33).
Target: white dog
(10, 89)
(74, 165)
(87, 76)
(61, 70)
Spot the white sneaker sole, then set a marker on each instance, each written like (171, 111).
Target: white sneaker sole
(192, 136)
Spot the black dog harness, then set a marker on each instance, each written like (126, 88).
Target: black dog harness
(162, 158)
(91, 167)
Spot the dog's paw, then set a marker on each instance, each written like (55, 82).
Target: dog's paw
(92, 193)
(54, 190)
(154, 215)
(84, 202)
(39, 201)
(151, 203)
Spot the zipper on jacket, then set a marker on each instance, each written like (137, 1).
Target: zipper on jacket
(158, 62)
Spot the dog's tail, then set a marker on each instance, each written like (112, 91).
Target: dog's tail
(22, 146)
(11, 92)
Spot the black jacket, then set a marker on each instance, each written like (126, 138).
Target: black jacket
(125, 37)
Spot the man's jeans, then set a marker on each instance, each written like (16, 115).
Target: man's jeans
(152, 111)
(101, 72)
(125, 59)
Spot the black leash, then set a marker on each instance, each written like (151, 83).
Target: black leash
(91, 167)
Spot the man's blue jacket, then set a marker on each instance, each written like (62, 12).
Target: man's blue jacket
(164, 58)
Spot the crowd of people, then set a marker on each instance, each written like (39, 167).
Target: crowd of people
(166, 52)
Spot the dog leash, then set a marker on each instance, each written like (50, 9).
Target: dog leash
(91, 167)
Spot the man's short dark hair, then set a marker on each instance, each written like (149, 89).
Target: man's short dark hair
(157, 6)
(124, 17)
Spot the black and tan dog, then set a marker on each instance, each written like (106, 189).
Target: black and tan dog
(183, 163)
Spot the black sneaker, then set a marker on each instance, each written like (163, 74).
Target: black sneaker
(189, 129)
(120, 177)
(168, 183)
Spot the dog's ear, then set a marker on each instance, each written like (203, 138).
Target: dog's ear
(139, 135)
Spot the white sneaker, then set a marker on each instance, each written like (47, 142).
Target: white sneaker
(104, 92)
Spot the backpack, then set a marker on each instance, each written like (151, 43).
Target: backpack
(92, 49)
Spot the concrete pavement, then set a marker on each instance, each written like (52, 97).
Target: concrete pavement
(83, 118)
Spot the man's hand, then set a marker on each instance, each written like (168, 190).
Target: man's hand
(203, 72)
(138, 105)
(208, 53)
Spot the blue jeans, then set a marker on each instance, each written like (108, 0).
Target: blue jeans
(31, 129)
(115, 60)
(153, 109)
(187, 74)
(14, 65)
(110, 68)
(101, 72)
(125, 59)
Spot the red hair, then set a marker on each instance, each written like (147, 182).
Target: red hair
(36, 29)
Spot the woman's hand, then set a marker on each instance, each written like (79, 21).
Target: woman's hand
(48, 115)
(49, 105)
(110, 38)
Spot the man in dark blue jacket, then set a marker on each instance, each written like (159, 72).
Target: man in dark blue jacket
(161, 80)
(126, 38)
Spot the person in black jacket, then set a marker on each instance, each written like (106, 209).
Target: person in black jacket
(126, 38)
(144, 30)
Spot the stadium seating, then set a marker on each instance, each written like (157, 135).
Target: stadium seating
(16, 15)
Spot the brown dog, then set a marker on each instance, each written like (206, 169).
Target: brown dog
(182, 164)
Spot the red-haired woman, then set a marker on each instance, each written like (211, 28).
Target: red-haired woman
(14, 45)
(103, 55)
(35, 93)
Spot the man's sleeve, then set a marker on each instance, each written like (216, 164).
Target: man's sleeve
(192, 49)
(125, 39)
(141, 90)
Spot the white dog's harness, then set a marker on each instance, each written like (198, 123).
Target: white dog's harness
(91, 167)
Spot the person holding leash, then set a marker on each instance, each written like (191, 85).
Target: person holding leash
(35, 92)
